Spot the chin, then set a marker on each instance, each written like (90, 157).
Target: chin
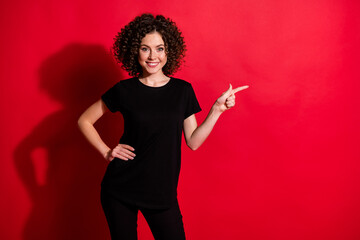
(152, 71)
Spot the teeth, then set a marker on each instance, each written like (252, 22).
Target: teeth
(152, 64)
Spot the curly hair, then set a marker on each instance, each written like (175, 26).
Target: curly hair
(128, 40)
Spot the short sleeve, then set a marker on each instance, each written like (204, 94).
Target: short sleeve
(111, 98)
(192, 105)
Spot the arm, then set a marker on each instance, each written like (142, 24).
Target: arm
(86, 124)
(194, 135)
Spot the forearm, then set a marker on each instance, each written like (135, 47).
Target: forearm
(93, 137)
(200, 134)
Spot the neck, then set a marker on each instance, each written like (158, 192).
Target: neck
(154, 80)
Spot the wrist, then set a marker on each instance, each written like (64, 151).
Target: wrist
(217, 108)
(107, 153)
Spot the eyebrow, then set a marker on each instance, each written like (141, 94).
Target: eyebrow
(156, 46)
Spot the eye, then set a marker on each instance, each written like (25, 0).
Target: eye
(160, 49)
(144, 49)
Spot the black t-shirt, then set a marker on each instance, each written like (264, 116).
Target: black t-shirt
(153, 123)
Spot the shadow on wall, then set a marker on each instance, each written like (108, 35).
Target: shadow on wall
(66, 200)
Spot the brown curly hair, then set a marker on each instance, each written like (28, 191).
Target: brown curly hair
(128, 40)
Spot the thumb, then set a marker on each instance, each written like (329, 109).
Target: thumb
(227, 93)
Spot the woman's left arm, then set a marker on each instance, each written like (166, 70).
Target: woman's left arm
(196, 135)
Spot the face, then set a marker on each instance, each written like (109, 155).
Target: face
(152, 55)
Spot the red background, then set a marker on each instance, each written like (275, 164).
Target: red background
(283, 164)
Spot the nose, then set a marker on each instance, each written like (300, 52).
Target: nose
(151, 54)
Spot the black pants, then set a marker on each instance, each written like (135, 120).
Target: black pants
(122, 220)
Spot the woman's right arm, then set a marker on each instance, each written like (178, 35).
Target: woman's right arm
(86, 124)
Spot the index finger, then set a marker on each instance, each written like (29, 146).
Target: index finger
(239, 89)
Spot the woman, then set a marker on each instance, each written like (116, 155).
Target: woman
(144, 167)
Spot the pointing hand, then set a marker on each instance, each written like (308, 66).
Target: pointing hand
(227, 99)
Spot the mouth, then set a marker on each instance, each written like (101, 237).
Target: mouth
(152, 64)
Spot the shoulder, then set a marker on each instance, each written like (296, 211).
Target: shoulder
(184, 88)
(125, 83)
(121, 87)
(128, 81)
(181, 83)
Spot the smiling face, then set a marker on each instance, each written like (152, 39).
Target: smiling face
(152, 55)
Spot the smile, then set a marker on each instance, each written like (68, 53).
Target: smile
(152, 64)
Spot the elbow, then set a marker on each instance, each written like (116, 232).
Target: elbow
(193, 144)
(81, 122)
(193, 147)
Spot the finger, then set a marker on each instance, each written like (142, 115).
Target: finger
(228, 100)
(127, 147)
(123, 158)
(117, 155)
(231, 98)
(230, 103)
(239, 89)
(227, 92)
(229, 106)
(128, 152)
(124, 152)
(127, 156)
